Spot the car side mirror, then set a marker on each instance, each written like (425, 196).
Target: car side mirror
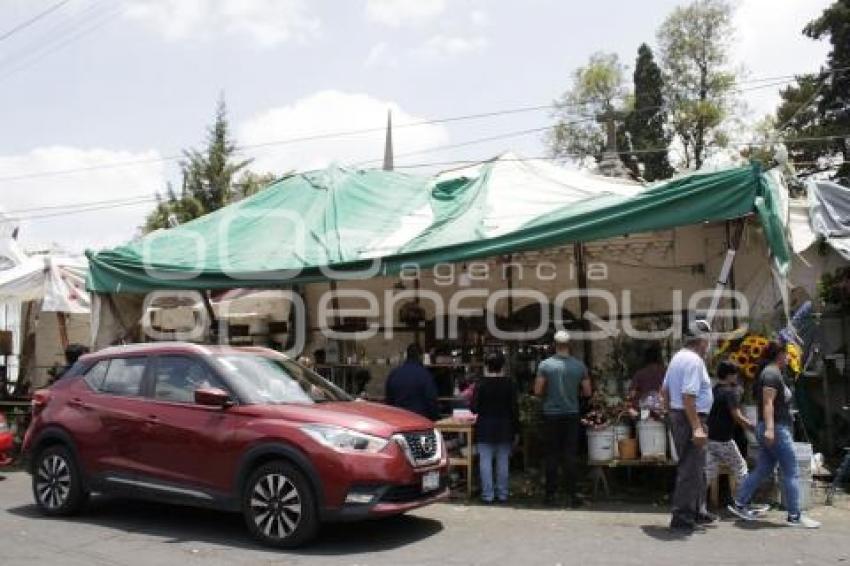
(212, 397)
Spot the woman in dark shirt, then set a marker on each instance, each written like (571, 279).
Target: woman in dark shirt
(776, 441)
(497, 426)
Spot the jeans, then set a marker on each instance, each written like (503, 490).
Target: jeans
(689, 493)
(561, 441)
(487, 452)
(782, 453)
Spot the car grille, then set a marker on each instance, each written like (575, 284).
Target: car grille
(408, 493)
(424, 446)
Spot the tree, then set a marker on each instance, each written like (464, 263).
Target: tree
(208, 179)
(598, 87)
(251, 183)
(818, 105)
(646, 123)
(209, 174)
(694, 45)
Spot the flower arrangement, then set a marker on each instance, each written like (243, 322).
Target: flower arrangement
(603, 414)
(747, 352)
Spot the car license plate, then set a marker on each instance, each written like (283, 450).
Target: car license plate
(430, 481)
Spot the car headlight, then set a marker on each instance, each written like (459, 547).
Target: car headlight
(344, 439)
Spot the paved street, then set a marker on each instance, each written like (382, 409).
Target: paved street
(124, 532)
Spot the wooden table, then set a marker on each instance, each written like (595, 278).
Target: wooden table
(598, 475)
(463, 427)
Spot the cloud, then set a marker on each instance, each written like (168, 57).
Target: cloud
(332, 111)
(47, 196)
(445, 46)
(397, 13)
(382, 55)
(266, 22)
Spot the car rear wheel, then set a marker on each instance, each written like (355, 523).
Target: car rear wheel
(279, 506)
(56, 482)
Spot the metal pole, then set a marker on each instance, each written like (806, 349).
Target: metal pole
(581, 269)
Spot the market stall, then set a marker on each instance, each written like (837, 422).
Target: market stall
(482, 233)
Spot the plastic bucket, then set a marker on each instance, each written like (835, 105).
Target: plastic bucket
(804, 486)
(621, 432)
(751, 412)
(652, 437)
(627, 449)
(803, 452)
(600, 445)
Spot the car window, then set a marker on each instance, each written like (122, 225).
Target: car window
(124, 376)
(176, 378)
(94, 377)
(268, 380)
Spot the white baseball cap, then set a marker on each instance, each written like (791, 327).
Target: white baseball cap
(562, 337)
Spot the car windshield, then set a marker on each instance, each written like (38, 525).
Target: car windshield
(272, 381)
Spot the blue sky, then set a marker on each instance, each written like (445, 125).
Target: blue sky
(101, 81)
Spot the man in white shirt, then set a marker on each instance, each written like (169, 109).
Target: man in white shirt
(687, 389)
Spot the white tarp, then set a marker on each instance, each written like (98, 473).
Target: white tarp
(59, 282)
(829, 208)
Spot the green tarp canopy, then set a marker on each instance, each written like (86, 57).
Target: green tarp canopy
(345, 219)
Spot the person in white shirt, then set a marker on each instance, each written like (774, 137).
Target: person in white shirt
(687, 390)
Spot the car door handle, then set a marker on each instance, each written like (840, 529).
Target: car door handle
(152, 420)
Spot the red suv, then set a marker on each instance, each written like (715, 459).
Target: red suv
(240, 429)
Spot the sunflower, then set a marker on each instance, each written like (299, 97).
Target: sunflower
(749, 370)
(795, 358)
(757, 351)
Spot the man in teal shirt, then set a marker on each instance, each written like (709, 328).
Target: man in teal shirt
(560, 380)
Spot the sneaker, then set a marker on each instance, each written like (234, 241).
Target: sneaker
(741, 512)
(802, 522)
(758, 508)
(706, 518)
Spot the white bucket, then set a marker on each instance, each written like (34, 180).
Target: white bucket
(621, 431)
(803, 452)
(600, 445)
(751, 412)
(652, 439)
(804, 486)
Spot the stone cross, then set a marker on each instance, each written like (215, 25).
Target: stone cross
(610, 118)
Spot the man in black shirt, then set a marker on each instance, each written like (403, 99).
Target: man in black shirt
(725, 413)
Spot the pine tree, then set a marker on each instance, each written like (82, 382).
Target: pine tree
(819, 105)
(209, 178)
(646, 123)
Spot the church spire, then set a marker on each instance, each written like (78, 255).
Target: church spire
(388, 146)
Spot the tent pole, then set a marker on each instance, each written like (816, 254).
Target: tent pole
(725, 270)
(732, 277)
(63, 330)
(581, 270)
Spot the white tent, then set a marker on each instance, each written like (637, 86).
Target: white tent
(51, 282)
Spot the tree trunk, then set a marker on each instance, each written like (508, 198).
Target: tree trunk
(699, 142)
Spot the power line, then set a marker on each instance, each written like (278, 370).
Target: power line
(34, 19)
(78, 208)
(346, 133)
(49, 49)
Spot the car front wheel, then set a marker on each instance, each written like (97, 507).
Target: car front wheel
(56, 482)
(279, 506)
